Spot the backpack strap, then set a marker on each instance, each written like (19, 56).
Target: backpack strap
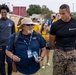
(16, 38)
(37, 35)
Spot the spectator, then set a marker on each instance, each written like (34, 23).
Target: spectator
(37, 26)
(19, 23)
(53, 18)
(58, 16)
(28, 42)
(7, 27)
(45, 33)
(63, 40)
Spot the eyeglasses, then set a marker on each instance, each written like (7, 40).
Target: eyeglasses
(29, 24)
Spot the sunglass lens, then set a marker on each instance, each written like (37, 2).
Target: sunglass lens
(29, 24)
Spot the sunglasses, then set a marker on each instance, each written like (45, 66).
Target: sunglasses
(29, 24)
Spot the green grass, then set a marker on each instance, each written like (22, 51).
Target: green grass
(49, 69)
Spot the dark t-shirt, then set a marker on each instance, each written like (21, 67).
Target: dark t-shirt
(65, 33)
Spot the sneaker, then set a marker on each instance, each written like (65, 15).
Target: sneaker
(48, 64)
(43, 67)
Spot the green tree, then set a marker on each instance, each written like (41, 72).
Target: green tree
(73, 14)
(34, 9)
(48, 15)
(45, 11)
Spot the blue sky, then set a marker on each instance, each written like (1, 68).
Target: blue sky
(51, 4)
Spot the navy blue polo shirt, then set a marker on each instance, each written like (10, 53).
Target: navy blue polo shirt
(26, 65)
(65, 33)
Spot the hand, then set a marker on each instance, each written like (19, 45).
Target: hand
(40, 58)
(16, 58)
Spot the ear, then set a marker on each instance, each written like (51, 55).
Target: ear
(68, 11)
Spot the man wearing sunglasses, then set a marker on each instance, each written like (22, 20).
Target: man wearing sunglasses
(27, 49)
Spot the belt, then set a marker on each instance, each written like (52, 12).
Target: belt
(66, 48)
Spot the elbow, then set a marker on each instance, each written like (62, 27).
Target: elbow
(44, 50)
(6, 52)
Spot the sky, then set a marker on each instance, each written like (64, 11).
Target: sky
(51, 4)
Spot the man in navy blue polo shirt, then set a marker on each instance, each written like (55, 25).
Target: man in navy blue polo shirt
(6, 29)
(27, 47)
(63, 40)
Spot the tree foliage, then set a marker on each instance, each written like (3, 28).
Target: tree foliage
(45, 11)
(73, 14)
(48, 15)
(34, 9)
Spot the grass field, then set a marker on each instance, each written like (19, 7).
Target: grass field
(49, 69)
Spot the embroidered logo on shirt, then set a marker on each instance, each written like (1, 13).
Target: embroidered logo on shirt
(6, 46)
(34, 38)
(9, 25)
(72, 28)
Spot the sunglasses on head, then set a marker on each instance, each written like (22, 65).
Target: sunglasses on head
(29, 24)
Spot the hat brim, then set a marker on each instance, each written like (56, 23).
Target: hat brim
(27, 23)
(30, 23)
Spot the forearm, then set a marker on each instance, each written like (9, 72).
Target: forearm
(52, 40)
(43, 52)
(9, 54)
(53, 45)
(12, 56)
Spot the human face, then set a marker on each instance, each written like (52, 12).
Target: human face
(3, 13)
(28, 28)
(34, 20)
(45, 26)
(65, 14)
(58, 16)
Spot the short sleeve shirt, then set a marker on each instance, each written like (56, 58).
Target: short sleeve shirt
(26, 65)
(37, 27)
(65, 33)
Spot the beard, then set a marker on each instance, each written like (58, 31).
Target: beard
(30, 31)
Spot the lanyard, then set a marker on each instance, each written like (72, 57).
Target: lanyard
(29, 41)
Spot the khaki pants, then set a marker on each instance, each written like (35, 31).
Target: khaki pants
(18, 73)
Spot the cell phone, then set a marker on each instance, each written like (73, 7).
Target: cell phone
(35, 54)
